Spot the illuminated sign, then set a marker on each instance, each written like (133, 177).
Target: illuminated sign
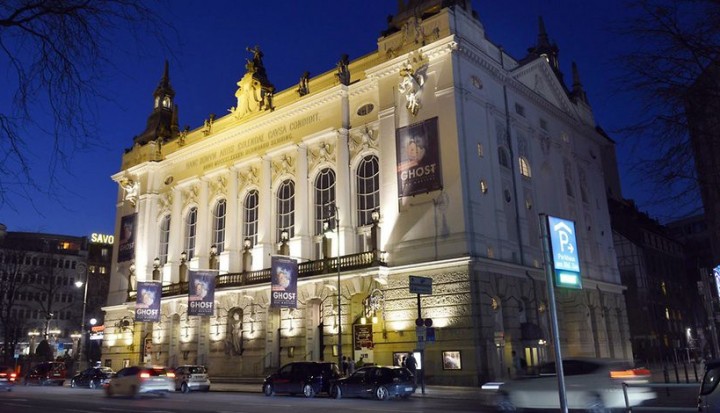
(102, 238)
(564, 252)
(716, 275)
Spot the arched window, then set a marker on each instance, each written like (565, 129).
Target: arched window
(164, 239)
(251, 205)
(368, 189)
(218, 235)
(503, 157)
(286, 208)
(190, 232)
(525, 167)
(324, 198)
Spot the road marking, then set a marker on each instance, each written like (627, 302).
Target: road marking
(80, 411)
(16, 404)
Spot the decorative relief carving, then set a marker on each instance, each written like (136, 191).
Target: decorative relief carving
(324, 152)
(363, 140)
(218, 185)
(249, 176)
(191, 194)
(413, 33)
(412, 76)
(286, 165)
(255, 92)
(165, 201)
(132, 190)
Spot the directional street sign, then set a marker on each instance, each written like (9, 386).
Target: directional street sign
(563, 245)
(420, 285)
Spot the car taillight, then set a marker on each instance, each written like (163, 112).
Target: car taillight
(13, 376)
(144, 375)
(636, 375)
(170, 374)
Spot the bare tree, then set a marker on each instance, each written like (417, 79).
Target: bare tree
(674, 42)
(12, 285)
(55, 52)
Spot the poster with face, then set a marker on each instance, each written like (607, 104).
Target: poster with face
(201, 294)
(283, 282)
(418, 158)
(147, 305)
(126, 245)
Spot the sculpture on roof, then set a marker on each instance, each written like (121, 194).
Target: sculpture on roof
(255, 92)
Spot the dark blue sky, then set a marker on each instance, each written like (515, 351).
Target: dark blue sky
(207, 57)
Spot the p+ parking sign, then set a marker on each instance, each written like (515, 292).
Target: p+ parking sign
(563, 244)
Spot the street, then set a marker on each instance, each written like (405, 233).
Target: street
(34, 399)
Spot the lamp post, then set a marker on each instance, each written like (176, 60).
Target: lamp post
(247, 255)
(81, 341)
(183, 267)
(337, 263)
(156, 269)
(213, 256)
(284, 247)
(375, 215)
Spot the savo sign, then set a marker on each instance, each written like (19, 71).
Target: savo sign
(102, 238)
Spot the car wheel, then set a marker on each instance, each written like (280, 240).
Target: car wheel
(72, 383)
(382, 393)
(504, 404)
(184, 388)
(336, 392)
(308, 391)
(93, 385)
(596, 405)
(268, 390)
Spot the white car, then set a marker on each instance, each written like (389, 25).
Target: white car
(136, 380)
(191, 378)
(592, 385)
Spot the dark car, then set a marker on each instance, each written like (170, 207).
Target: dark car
(303, 377)
(377, 382)
(50, 372)
(93, 378)
(7, 378)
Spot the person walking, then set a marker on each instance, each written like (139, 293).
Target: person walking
(411, 364)
(344, 366)
(351, 366)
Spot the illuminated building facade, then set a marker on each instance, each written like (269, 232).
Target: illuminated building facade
(431, 157)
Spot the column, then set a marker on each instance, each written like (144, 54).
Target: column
(233, 227)
(176, 244)
(303, 207)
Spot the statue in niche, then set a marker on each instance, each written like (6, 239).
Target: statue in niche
(343, 71)
(235, 332)
(303, 87)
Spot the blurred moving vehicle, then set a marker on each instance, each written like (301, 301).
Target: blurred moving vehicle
(93, 378)
(136, 380)
(50, 372)
(709, 397)
(191, 378)
(377, 382)
(7, 378)
(308, 378)
(592, 385)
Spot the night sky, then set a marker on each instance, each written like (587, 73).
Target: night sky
(207, 57)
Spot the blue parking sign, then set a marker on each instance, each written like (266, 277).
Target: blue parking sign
(563, 245)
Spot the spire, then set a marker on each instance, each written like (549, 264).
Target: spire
(162, 122)
(578, 92)
(545, 48)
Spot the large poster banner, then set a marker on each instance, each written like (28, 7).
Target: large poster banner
(418, 158)
(147, 306)
(283, 282)
(201, 295)
(362, 336)
(126, 246)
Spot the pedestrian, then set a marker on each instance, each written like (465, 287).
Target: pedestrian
(411, 364)
(351, 366)
(344, 366)
(519, 364)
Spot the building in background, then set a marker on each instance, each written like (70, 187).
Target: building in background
(432, 157)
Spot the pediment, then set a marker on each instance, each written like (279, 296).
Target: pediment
(539, 77)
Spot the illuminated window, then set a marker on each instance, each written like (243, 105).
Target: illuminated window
(190, 232)
(663, 287)
(667, 313)
(103, 270)
(368, 189)
(324, 197)
(251, 207)
(164, 239)
(218, 235)
(525, 167)
(286, 208)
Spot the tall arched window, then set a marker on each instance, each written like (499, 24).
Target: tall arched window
(368, 189)
(164, 239)
(286, 208)
(251, 209)
(218, 235)
(324, 198)
(525, 167)
(503, 157)
(190, 232)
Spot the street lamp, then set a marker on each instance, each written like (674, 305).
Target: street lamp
(81, 343)
(326, 227)
(156, 269)
(213, 256)
(183, 267)
(284, 247)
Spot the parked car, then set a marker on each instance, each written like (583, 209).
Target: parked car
(379, 382)
(592, 385)
(136, 380)
(191, 378)
(308, 378)
(709, 397)
(7, 378)
(50, 372)
(93, 378)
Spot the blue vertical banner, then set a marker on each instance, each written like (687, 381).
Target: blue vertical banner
(147, 305)
(564, 252)
(283, 282)
(201, 294)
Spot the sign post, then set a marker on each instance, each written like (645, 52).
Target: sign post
(421, 285)
(562, 268)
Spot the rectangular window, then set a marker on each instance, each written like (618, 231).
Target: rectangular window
(520, 109)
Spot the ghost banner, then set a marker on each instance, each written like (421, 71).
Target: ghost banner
(147, 306)
(418, 158)
(201, 294)
(283, 282)
(126, 246)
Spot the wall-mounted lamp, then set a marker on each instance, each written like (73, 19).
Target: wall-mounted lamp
(284, 247)
(183, 257)
(247, 256)
(183, 267)
(213, 257)
(156, 269)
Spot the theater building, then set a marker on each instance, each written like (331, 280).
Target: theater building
(432, 157)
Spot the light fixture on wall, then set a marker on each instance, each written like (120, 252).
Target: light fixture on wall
(183, 267)
(156, 269)
(213, 262)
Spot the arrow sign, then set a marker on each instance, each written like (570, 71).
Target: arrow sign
(420, 285)
(564, 252)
